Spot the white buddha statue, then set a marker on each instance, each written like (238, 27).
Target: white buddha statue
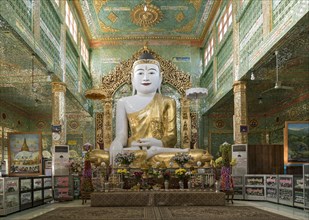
(151, 118)
(150, 115)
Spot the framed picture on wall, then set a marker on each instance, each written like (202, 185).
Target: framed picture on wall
(24, 154)
(296, 142)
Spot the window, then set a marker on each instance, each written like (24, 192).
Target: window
(57, 2)
(70, 21)
(225, 22)
(209, 51)
(84, 51)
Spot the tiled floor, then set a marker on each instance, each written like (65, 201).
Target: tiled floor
(294, 213)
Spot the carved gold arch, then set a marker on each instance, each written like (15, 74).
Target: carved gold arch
(121, 74)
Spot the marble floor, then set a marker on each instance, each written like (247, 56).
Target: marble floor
(293, 213)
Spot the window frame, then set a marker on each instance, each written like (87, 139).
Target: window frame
(225, 21)
(70, 21)
(84, 51)
(208, 51)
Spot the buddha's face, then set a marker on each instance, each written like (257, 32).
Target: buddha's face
(146, 78)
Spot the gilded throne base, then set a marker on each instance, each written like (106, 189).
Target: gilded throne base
(162, 160)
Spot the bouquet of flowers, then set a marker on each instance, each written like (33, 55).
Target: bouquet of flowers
(181, 173)
(122, 171)
(125, 158)
(138, 175)
(181, 158)
(75, 166)
(166, 175)
(154, 173)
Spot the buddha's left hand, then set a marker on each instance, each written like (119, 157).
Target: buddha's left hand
(147, 142)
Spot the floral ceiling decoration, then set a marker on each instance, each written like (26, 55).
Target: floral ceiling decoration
(108, 22)
(146, 15)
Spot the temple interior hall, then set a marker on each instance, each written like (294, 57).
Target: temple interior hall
(152, 109)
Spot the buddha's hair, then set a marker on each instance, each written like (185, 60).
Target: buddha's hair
(146, 57)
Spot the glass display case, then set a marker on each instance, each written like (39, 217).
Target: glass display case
(25, 192)
(63, 189)
(9, 195)
(37, 192)
(286, 190)
(37, 197)
(48, 195)
(272, 191)
(238, 187)
(306, 186)
(299, 191)
(76, 186)
(47, 182)
(48, 191)
(255, 187)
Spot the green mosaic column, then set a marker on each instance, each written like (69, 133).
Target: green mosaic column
(58, 111)
(240, 112)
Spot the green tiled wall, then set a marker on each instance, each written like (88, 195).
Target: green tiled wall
(280, 8)
(23, 9)
(71, 65)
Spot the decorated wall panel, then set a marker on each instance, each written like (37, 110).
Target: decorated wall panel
(105, 59)
(280, 10)
(50, 29)
(250, 32)
(23, 10)
(71, 65)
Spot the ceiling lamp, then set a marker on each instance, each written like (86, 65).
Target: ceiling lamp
(146, 15)
(252, 76)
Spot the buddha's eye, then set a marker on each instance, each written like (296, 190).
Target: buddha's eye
(151, 73)
(140, 73)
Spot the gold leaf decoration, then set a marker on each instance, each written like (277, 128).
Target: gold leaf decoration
(196, 3)
(186, 28)
(180, 16)
(146, 18)
(112, 17)
(106, 28)
(98, 4)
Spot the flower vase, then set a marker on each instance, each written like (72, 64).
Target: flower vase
(217, 186)
(121, 184)
(189, 184)
(138, 186)
(166, 185)
(181, 185)
(106, 186)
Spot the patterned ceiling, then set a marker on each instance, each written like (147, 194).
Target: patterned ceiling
(114, 20)
(16, 76)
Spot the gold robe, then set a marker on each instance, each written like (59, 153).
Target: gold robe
(157, 120)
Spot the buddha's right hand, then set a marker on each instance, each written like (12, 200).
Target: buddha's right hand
(147, 142)
(115, 148)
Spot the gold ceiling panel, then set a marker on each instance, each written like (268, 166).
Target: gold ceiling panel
(146, 17)
(196, 3)
(186, 28)
(98, 4)
(106, 28)
(112, 17)
(180, 16)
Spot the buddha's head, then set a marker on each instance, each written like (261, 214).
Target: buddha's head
(146, 76)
